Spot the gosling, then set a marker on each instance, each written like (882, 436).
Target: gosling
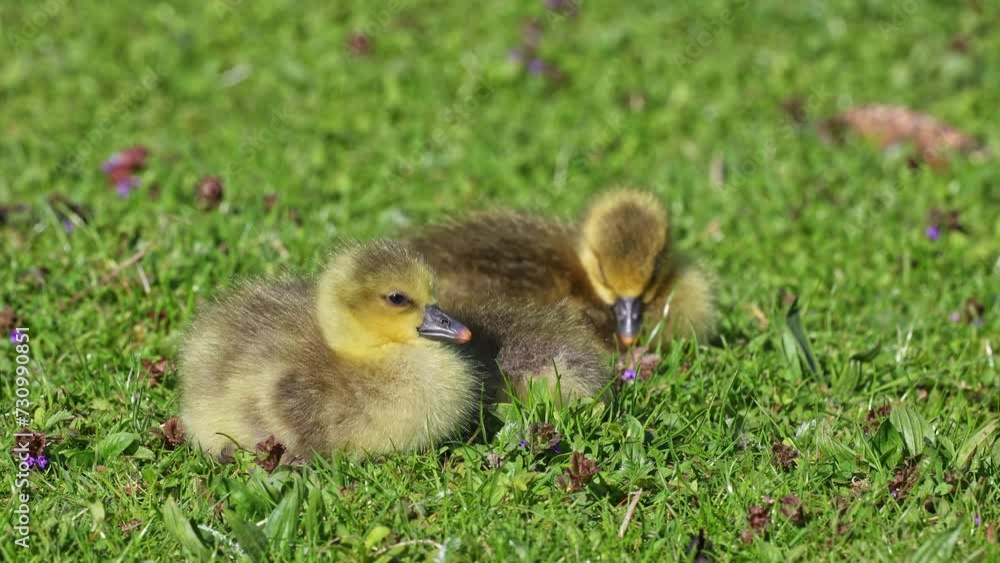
(618, 267)
(354, 361)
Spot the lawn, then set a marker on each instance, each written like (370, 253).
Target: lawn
(324, 122)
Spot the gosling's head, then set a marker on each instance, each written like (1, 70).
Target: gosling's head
(623, 247)
(380, 293)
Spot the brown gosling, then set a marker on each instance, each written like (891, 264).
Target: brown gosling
(618, 266)
(352, 361)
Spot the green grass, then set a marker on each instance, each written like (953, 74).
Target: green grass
(264, 95)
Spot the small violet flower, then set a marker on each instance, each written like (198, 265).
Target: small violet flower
(536, 66)
(111, 163)
(977, 520)
(933, 232)
(15, 336)
(628, 375)
(556, 449)
(125, 186)
(955, 316)
(40, 462)
(68, 226)
(523, 443)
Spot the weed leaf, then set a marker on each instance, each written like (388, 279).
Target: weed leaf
(972, 443)
(113, 445)
(180, 527)
(250, 537)
(913, 427)
(938, 548)
(794, 323)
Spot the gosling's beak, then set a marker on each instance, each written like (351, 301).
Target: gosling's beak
(439, 326)
(628, 313)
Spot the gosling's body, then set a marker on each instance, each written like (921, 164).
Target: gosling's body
(293, 359)
(621, 249)
(518, 341)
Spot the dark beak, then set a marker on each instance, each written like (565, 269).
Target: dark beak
(628, 313)
(439, 326)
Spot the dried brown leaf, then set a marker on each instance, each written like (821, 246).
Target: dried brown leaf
(888, 125)
(783, 456)
(791, 508)
(269, 453)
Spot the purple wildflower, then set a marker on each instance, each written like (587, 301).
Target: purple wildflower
(933, 232)
(15, 336)
(536, 66)
(955, 316)
(40, 462)
(977, 521)
(111, 163)
(556, 449)
(628, 375)
(125, 186)
(68, 226)
(523, 443)
(895, 493)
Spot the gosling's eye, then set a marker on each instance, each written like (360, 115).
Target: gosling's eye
(398, 299)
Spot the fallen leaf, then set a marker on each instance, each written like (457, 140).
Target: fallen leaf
(783, 456)
(8, 320)
(35, 444)
(903, 481)
(157, 369)
(759, 519)
(888, 125)
(172, 432)
(791, 508)
(580, 472)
